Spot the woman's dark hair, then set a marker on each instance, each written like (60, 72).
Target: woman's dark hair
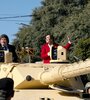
(52, 37)
(4, 36)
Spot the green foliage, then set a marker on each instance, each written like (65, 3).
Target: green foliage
(83, 49)
(61, 18)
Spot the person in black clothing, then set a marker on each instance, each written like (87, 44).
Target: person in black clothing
(4, 45)
(6, 88)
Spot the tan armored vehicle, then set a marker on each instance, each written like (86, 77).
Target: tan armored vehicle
(59, 80)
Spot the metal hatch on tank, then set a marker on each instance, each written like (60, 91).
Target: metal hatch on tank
(58, 55)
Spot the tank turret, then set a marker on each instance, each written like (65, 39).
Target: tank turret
(54, 81)
(41, 76)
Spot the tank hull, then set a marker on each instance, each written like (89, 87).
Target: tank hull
(43, 94)
(33, 81)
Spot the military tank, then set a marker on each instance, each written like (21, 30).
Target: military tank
(59, 80)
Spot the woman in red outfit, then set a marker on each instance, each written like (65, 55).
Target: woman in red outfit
(45, 50)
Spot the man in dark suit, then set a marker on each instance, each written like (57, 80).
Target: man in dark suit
(4, 45)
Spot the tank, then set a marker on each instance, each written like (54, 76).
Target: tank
(54, 81)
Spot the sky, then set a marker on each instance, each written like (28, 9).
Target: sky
(10, 8)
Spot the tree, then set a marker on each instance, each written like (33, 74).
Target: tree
(57, 17)
(83, 49)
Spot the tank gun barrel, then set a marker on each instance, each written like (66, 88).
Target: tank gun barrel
(64, 72)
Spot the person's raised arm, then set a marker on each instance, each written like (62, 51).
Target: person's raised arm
(67, 46)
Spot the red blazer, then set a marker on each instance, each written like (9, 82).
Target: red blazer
(45, 49)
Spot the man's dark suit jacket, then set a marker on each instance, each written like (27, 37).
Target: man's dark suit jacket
(11, 48)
